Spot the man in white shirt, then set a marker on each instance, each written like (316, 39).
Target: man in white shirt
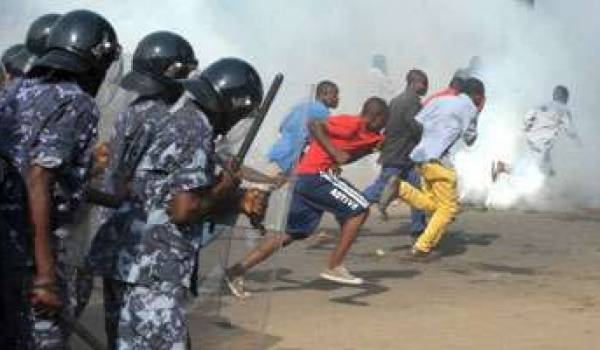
(447, 123)
(542, 126)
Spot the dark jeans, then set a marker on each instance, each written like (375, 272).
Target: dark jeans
(418, 219)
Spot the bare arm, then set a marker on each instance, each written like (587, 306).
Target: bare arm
(39, 180)
(43, 295)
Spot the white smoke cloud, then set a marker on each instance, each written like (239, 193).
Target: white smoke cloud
(525, 53)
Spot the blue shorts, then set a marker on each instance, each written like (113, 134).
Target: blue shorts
(316, 194)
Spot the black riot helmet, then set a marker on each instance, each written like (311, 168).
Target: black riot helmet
(12, 58)
(81, 42)
(37, 35)
(227, 91)
(36, 42)
(159, 59)
(10, 52)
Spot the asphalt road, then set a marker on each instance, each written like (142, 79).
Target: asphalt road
(507, 280)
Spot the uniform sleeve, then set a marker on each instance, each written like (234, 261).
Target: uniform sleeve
(193, 173)
(343, 128)
(180, 156)
(56, 140)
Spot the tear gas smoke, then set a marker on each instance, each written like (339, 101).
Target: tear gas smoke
(525, 52)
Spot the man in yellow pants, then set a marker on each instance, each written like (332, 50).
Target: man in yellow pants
(448, 123)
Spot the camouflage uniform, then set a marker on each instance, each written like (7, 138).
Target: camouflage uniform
(53, 126)
(134, 128)
(156, 259)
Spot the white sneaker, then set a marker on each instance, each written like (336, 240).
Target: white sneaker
(340, 274)
(236, 287)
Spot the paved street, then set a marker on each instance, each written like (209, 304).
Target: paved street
(507, 280)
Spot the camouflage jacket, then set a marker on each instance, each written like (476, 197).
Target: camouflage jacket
(134, 130)
(151, 249)
(53, 126)
(132, 133)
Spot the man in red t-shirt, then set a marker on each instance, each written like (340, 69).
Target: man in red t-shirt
(336, 141)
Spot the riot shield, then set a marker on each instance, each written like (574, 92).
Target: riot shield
(110, 84)
(219, 320)
(111, 100)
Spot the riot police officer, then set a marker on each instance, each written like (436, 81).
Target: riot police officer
(19, 58)
(7, 60)
(158, 61)
(176, 186)
(52, 150)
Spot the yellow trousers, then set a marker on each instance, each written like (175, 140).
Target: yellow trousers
(438, 196)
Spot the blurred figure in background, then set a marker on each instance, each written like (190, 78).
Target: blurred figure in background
(380, 84)
(542, 126)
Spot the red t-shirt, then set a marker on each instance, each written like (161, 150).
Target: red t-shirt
(445, 92)
(347, 133)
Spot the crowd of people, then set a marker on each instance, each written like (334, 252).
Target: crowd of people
(167, 170)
